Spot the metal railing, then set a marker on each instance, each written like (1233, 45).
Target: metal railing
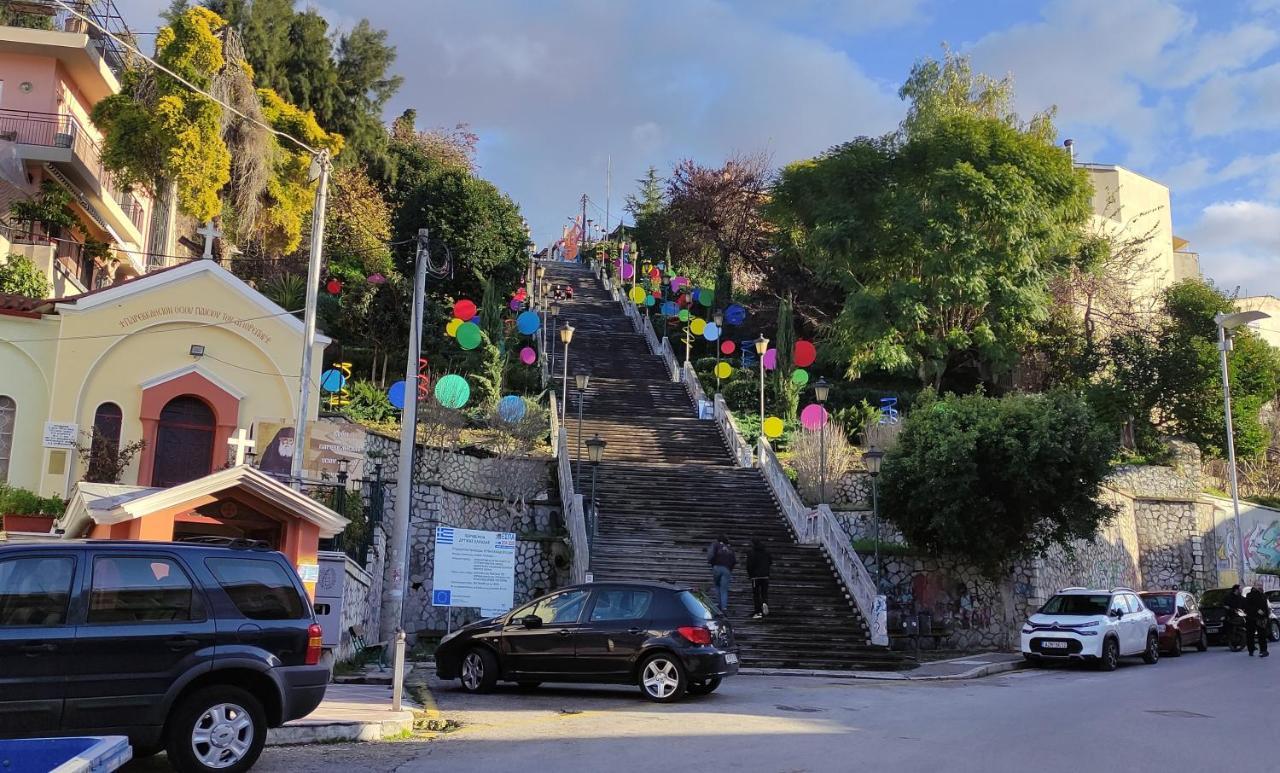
(62, 130)
(68, 254)
(45, 14)
(571, 506)
(738, 445)
(691, 384)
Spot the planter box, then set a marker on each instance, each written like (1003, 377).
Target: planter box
(36, 524)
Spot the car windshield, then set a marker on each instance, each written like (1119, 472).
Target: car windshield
(697, 604)
(1077, 605)
(1273, 596)
(1161, 605)
(1215, 598)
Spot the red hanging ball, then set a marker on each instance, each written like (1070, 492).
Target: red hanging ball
(333, 286)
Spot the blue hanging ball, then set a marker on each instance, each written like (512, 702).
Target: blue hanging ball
(395, 393)
(511, 408)
(528, 322)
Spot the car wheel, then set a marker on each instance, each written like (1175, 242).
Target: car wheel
(705, 687)
(1110, 655)
(216, 729)
(528, 686)
(1176, 652)
(1203, 644)
(1151, 655)
(479, 671)
(1275, 631)
(662, 679)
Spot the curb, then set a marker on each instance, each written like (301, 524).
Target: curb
(397, 725)
(889, 676)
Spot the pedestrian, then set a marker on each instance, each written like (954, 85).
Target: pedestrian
(1257, 622)
(759, 561)
(722, 560)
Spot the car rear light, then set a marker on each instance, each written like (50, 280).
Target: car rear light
(314, 636)
(696, 634)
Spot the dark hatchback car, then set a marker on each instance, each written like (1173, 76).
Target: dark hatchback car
(1213, 607)
(192, 648)
(1177, 619)
(667, 639)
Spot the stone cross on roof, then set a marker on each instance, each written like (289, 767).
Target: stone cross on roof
(210, 232)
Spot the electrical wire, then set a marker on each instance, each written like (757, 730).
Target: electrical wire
(196, 326)
(184, 81)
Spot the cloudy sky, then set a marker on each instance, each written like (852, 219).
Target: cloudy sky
(1185, 92)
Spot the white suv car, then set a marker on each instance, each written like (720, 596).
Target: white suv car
(1099, 626)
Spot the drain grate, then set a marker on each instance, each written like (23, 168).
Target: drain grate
(801, 709)
(1180, 714)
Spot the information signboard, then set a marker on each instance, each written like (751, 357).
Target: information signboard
(474, 569)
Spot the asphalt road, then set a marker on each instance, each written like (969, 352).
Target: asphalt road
(1212, 711)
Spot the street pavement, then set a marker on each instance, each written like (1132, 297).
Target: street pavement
(1211, 711)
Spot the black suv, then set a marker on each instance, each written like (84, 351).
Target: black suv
(667, 639)
(192, 648)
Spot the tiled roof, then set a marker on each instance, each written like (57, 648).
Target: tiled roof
(20, 305)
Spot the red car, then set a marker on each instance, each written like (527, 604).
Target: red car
(1177, 619)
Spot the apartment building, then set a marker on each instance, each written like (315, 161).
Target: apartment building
(54, 67)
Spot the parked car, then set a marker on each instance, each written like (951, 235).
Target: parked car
(192, 648)
(1212, 607)
(1098, 626)
(1177, 619)
(670, 640)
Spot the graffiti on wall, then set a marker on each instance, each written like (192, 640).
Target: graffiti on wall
(1262, 545)
(951, 602)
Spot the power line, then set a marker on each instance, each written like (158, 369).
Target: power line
(196, 326)
(184, 81)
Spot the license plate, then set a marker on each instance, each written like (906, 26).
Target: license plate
(731, 658)
(1053, 645)
(1213, 628)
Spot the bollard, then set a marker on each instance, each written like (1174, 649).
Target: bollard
(397, 671)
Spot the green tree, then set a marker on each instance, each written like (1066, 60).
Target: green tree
(716, 217)
(785, 343)
(19, 276)
(648, 208)
(996, 480)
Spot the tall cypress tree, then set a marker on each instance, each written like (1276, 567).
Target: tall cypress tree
(785, 342)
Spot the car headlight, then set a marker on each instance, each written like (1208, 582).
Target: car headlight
(1028, 628)
(1093, 624)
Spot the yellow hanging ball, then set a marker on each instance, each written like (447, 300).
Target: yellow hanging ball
(452, 327)
(698, 325)
(724, 370)
(637, 294)
(773, 427)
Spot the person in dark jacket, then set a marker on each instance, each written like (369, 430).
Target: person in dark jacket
(722, 560)
(759, 561)
(1257, 625)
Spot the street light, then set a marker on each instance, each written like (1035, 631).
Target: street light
(718, 318)
(1227, 322)
(580, 381)
(762, 346)
(820, 392)
(566, 335)
(595, 452)
(554, 308)
(871, 459)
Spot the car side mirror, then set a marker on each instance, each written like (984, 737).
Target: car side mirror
(1182, 611)
(1117, 613)
(531, 621)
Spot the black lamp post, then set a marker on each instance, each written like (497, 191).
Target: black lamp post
(820, 392)
(553, 308)
(580, 381)
(762, 346)
(871, 459)
(595, 452)
(718, 318)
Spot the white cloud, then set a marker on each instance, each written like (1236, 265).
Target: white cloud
(1239, 245)
(1256, 173)
(1236, 102)
(1220, 52)
(856, 16)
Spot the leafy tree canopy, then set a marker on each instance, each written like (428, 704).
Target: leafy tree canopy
(19, 276)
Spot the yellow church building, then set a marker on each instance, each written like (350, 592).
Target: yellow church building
(179, 358)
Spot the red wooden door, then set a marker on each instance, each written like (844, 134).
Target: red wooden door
(184, 442)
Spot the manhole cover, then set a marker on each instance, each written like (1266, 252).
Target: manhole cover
(801, 709)
(1179, 713)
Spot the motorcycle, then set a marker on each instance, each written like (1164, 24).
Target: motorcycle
(1235, 622)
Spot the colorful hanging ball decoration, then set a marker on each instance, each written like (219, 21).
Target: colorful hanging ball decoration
(773, 427)
(333, 285)
(723, 370)
(728, 347)
(395, 393)
(453, 391)
(684, 315)
(628, 270)
(813, 417)
(528, 356)
(711, 332)
(678, 282)
(469, 335)
(654, 274)
(332, 380)
(511, 409)
(698, 326)
(451, 329)
(649, 300)
(670, 308)
(515, 304)
(736, 314)
(377, 278)
(799, 377)
(707, 297)
(804, 354)
(528, 322)
(464, 309)
(636, 294)
(771, 359)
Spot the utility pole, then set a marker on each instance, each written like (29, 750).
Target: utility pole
(398, 545)
(608, 191)
(584, 226)
(309, 318)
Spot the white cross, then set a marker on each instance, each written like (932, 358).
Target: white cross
(241, 442)
(209, 232)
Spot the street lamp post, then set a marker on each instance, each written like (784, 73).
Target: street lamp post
(580, 381)
(871, 459)
(718, 318)
(554, 308)
(762, 346)
(820, 392)
(595, 452)
(566, 335)
(1227, 322)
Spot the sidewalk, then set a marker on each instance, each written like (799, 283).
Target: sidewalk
(968, 667)
(350, 712)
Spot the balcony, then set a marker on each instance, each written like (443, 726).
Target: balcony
(62, 260)
(44, 15)
(59, 138)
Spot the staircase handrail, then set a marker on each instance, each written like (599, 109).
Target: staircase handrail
(650, 337)
(669, 357)
(555, 420)
(819, 526)
(692, 385)
(571, 507)
(738, 445)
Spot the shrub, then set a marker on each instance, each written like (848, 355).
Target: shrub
(19, 501)
(807, 458)
(369, 404)
(19, 276)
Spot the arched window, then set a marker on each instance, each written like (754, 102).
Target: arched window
(8, 417)
(184, 441)
(106, 426)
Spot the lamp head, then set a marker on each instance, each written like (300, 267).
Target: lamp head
(595, 449)
(1230, 321)
(718, 318)
(581, 380)
(566, 334)
(762, 345)
(871, 459)
(821, 390)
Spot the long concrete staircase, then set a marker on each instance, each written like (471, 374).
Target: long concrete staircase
(668, 486)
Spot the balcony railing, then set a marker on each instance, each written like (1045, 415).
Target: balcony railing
(68, 254)
(61, 130)
(47, 15)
